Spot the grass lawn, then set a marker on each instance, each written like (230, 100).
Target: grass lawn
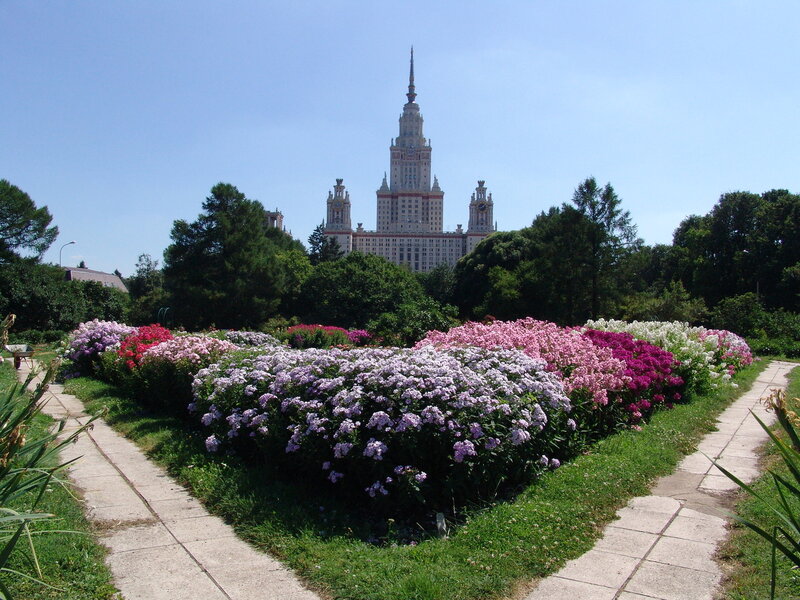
(494, 551)
(72, 563)
(749, 555)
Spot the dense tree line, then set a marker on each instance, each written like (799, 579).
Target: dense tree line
(736, 267)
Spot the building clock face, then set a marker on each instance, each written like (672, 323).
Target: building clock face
(482, 206)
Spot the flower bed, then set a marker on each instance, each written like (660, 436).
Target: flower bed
(134, 346)
(699, 365)
(408, 426)
(163, 378)
(649, 369)
(90, 339)
(585, 367)
(251, 338)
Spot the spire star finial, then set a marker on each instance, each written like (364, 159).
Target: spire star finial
(411, 95)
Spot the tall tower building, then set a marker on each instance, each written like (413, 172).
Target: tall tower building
(410, 205)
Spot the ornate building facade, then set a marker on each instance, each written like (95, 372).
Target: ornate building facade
(410, 205)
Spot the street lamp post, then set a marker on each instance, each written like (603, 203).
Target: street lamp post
(60, 249)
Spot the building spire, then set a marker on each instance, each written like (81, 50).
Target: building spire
(411, 95)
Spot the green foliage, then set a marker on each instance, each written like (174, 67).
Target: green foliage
(323, 248)
(43, 300)
(222, 269)
(28, 467)
(22, 225)
(356, 289)
(566, 267)
(783, 533)
(673, 303)
(439, 283)
(411, 321)
(747, 243)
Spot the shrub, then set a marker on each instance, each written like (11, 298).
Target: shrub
(410, 427)
(586, 368)
(164, 376)
(698, 367)
(251, 338)
(92, 338)
(133, 347)
(316, 336)
(651, 381)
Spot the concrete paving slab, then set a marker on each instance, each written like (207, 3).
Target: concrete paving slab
(248, 584)
(685, 553)
(114, 516)
(642, 520)
(195, 529)
(699, 530)
(657, 504)
(668, 582)
(626, 542)
(600, 568)
(718, 484)
(164, 573)
(695, 463)
(177, 508)
(558, 588)
(166, 490)
(137, 537)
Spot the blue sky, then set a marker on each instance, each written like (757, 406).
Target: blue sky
(121, 116)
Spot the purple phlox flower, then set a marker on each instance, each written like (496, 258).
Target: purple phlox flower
(376, 488)
(375, 449)
(409, 421)
(491, 443)
(380, 420)
(519, 436)
(335, 476)
(544, 461)
(463, 449)
(212, 443)
(554, 463)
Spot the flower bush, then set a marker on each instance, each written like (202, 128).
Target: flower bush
(133, 347)
(359, 337)
(585, 367)
(699, 367)
(251, 338)
(164, 376)
(731, 349)
(651, 381)
(90, 339)
(405, 425)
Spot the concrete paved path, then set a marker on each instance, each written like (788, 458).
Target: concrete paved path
(662, 546)
(163, 544)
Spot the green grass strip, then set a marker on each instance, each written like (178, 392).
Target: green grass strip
(749, 555)
(497, 549)
(71, 562)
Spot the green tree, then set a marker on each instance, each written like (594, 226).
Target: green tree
(221, 269)
(321, 247)
(22, 225)
(746, 243)
(146, 288)
(356, 289)
(43, 300)
(610, 235)
(439, 283)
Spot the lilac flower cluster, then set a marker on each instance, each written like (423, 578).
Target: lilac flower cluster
(386, 420)
(251, 338)
(91, 338)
